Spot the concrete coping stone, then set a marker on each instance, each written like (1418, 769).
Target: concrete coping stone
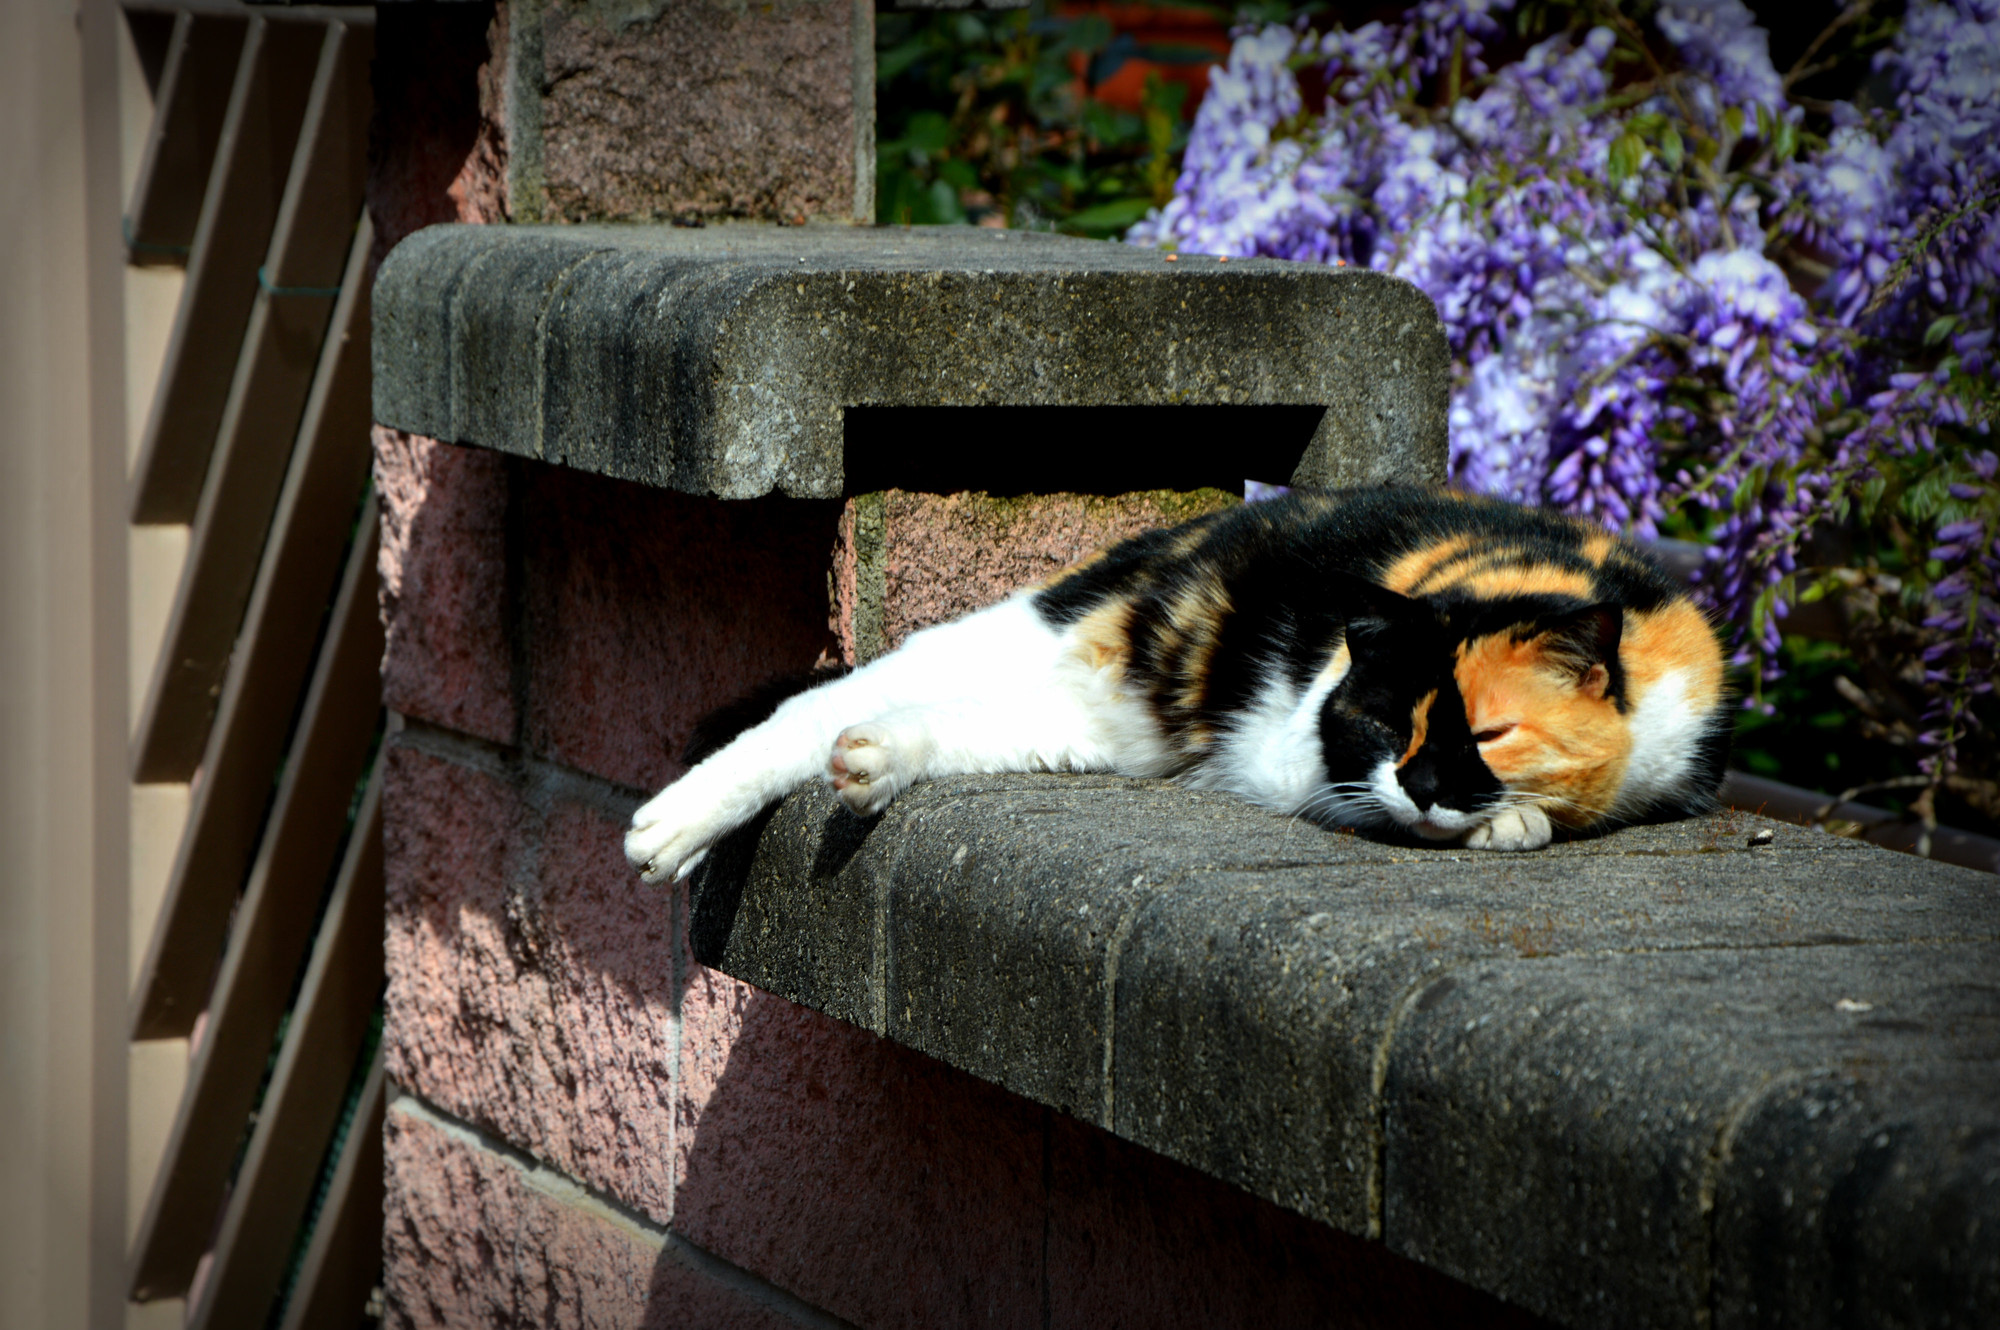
(1671, 1076)
(731, 360)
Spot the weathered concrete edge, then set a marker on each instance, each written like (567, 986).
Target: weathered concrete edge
(835, 952)
(605, 349)
(570, 1194)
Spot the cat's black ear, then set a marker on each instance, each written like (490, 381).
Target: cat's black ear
(1585, 642)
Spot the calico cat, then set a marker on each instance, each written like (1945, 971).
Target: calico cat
(1457, 668)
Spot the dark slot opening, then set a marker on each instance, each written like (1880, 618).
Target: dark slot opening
(1075, 449)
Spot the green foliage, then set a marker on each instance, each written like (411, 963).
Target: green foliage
(983, 118)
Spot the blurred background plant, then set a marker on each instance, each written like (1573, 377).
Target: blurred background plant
(1702, 276)
(1045, 118)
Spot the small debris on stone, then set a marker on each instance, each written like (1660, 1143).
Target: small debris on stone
(1849, 1004)
(1764, 837)
(1173, 258)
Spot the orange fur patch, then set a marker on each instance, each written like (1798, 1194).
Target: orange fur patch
(1418, 565)
(1673, 638)
(1498, 581)
(1420, 725)
(1103, 637)
(1566, 744)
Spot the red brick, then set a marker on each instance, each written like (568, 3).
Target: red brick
(438, 151)
(474, 1238)
(444, 583)
(647, 609)
(706, 108)
(1138, 1240)
(532, 991)
(530, 976)
(945, 554)
(867, 1179)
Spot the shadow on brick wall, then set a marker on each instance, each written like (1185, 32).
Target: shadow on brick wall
(572, 630)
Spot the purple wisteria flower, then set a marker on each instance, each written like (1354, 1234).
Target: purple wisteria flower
(1664, 298)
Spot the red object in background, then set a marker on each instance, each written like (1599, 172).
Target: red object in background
(1150, 25)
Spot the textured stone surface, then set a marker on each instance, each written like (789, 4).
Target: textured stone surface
(722, 360)
(1258, 999)
(1592, 1092)
(1886, 1158)
(708, 109)
(906, 561)
(477, 1237)
(538, 992)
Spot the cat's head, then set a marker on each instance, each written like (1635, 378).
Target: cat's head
(1445, 717)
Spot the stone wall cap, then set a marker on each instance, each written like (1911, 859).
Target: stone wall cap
(722, 360)
(1663, 1077)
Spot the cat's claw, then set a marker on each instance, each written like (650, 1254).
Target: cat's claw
(866, 768)
(1522, 828)
(668, 838)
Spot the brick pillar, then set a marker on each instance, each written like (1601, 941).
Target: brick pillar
(591, 1128)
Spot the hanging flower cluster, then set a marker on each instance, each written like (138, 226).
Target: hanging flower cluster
(1668, 300)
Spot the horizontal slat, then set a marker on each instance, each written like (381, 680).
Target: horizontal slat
(267, 671)
(274, 74)
(314, 232)
(192, 101)
(343, 1262)
(301, 1107)
(269, 941)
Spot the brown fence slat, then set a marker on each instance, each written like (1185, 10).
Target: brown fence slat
(267, 671)
(274, 74)
(313, 234)
(192, 100)
(301, 1107)
(269, 941)
(343, 1262)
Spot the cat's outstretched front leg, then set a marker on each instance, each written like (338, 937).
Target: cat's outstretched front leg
(999, 690)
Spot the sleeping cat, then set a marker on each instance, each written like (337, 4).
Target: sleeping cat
(1459, 668)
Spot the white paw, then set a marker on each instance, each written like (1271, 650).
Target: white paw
(1525, 827)
(670, 834)
(869, 766)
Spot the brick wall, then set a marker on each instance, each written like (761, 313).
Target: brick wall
(595, 1129)
(589, 1127)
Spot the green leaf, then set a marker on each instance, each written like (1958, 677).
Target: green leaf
(1763, 124)
(1732, 122)
(1746, 493)
(1787, 141)
(1940, 329)
(958, 173)
(1923, 499)
(891, 63)
(944, 205)
(1871, 497)
(1105, 218)
(1627, 151)
(1671, 148)
(927, 132)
